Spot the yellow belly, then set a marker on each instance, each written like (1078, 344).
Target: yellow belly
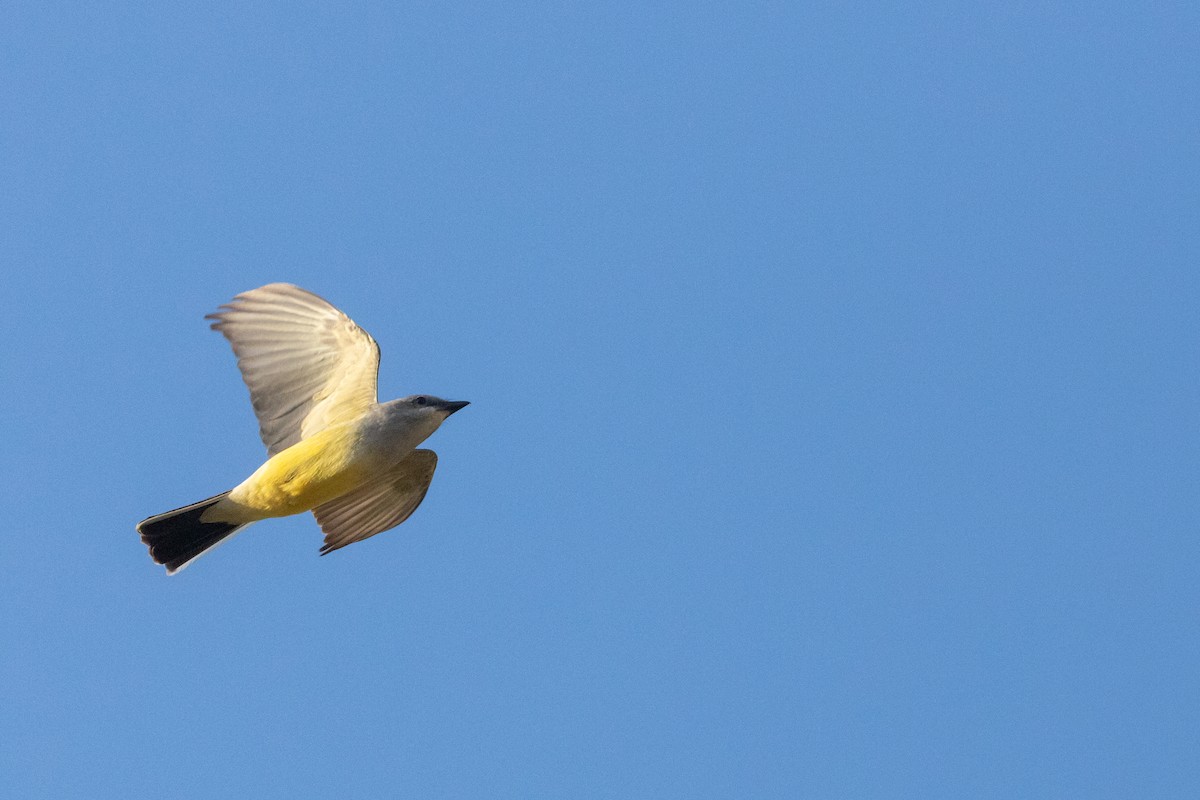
(307, 474)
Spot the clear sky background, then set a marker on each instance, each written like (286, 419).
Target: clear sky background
(833, 379)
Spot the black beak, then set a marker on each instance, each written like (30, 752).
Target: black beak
(454, 405)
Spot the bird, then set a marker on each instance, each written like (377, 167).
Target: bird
(332, 447)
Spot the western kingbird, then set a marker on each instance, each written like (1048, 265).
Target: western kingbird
(333, 448)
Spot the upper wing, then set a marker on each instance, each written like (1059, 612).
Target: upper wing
(307, 364)
(379, 505)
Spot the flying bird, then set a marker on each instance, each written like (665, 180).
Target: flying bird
(332, 448)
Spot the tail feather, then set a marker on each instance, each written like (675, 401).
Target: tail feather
(178, 537)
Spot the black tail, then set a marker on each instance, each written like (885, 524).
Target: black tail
(177, 537)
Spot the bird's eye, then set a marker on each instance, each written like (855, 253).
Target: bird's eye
(420, 401)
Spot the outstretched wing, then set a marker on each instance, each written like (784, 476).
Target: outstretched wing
(379, 505)
(308, 366)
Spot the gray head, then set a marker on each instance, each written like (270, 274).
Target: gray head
(427, 404)
(415, 418)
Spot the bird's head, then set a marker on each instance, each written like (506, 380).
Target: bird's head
(424, 405)
(418, 416)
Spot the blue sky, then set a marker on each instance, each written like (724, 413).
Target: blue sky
(833, 379)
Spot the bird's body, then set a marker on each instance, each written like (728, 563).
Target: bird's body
(310, 472)
(324, 466)
(333, 449)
